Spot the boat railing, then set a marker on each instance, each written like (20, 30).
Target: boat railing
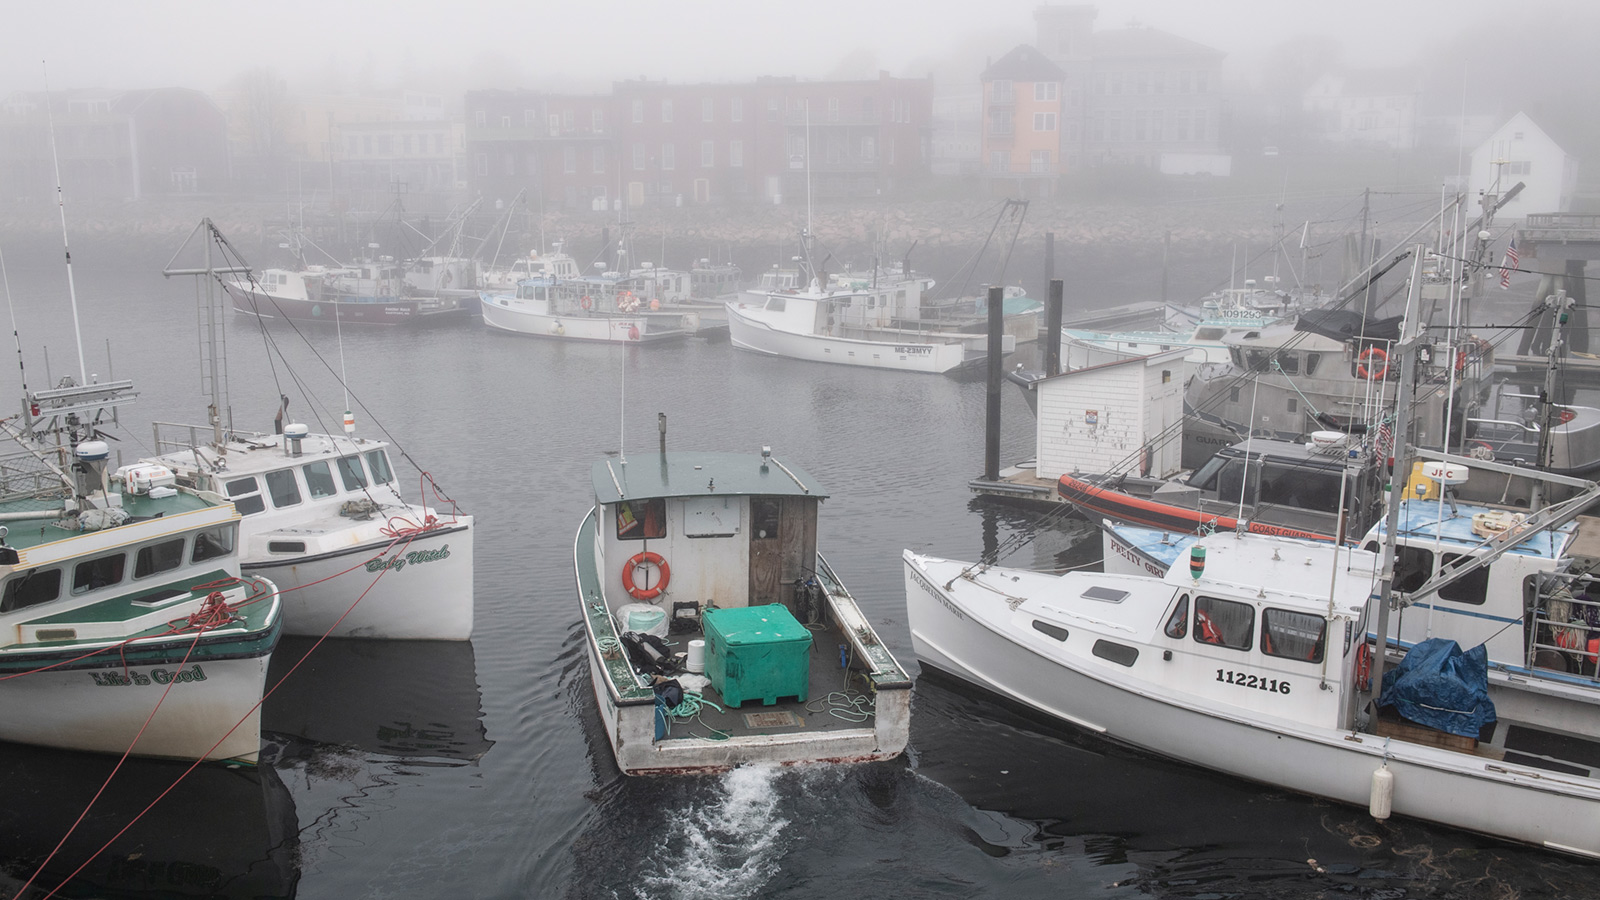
(1564, 636)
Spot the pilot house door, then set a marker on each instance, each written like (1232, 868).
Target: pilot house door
(766, 550)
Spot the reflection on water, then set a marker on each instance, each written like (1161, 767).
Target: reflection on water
(221, 831)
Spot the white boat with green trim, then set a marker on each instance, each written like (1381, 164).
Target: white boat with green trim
(125, 625)
(716, 555)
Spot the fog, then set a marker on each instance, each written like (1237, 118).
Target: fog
(585, 46)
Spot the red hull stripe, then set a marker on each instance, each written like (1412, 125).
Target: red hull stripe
(1100, 502)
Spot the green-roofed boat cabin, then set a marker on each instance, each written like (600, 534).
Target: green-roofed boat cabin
(702, 568)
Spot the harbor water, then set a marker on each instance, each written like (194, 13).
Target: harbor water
(478, 770)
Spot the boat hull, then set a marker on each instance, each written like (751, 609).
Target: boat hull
(907, 356)
(1097, 503)
(986, 647)
(414, 591)
(510, 315)
(352, 311)
(100, 704)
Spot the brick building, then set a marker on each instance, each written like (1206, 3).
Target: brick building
(559, 147)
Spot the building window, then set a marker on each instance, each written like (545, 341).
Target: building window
(554, 124)
(530, 118)
(1040, 164)
(869, 148)
(1044, 121)
(638, 110)
(707, 111)
(708, 154)
(736, 154)
(598, 158)
(667, 161)
(1001, 92)
(1000, 122)
(597, 121)
(666, 110)
(1045, 90)
(480, 118)
(999, 161)
(736, 109)
(638, 157)
(566, 120)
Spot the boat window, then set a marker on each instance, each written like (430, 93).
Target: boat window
(350, 473)
(1413, 566)
(1105, 594)
(1208, 334)
(378, 464)
(1302, 487)
(1235, 484)
(284, 489)
(1178, 622)
(93, 574)
(1055, 631)
(1233, 395)
(286, 546)
(158, 558)
(319, 479)
(1256, 359)
(1238, 359)
(1293, 635)
(212, 544)
(1226, 623)
(246, 495)
(1290, 363)
(764, 517)
(1121, 654)
(1311, 362)
(776, 304)
(639, 520)
(1204, 478)
(1472, 588)
(31, 589)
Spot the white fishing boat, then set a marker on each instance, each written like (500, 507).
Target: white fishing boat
(857, 326)
(770, 659)
(1249, 665)
(127, 624)
(323, 515)
(566, 305)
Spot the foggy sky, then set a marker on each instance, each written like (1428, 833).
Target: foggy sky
(586, 44)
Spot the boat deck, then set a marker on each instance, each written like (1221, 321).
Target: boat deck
(825, 692)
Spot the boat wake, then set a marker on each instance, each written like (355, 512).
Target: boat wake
(729, 847)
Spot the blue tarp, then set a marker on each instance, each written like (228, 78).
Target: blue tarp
(1440, 686)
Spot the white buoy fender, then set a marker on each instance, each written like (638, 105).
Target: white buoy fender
(696, 661)
(1382, 793)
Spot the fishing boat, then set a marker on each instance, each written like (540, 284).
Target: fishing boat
(565, 304)
(1250, 662)
(853, 325)
(129, 627)
(376, 292)
(324, 516)
(716, 553)
(1228, 312)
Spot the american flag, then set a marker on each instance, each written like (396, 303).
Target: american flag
(1509, 264)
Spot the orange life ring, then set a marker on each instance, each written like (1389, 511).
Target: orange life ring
(1372, 354)
(1363, 667)
(645, 558)
(585, 302)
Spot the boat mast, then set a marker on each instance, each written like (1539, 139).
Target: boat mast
(61, 204)
(1406, 347)
(215, 365)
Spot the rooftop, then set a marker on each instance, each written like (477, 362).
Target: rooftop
(691, 474)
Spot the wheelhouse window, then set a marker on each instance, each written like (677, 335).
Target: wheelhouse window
(283, 488)
(158, 558)
(246, 495)
(639, 520)
(378, 464)
(1413, 566)
(1209, 333)
(31, 589)
(776, 304)
(1471, 588)
(94, 574)
(1178, 622)
(213, 543)
(1293, 635)
(1226, 623)
(1286, 484)
(350, 473)
(764, 516)
(319, 479)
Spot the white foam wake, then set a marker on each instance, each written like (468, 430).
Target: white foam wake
(725, 848)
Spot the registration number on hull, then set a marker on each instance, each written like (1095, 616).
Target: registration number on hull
(1245, 680)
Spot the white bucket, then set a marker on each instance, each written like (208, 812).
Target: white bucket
(644, 617)
(696, 661)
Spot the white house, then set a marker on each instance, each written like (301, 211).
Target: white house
(1375, 108)
(1521, 151)
(1112, 417)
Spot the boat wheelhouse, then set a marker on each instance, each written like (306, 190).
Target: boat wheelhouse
(717, 553)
